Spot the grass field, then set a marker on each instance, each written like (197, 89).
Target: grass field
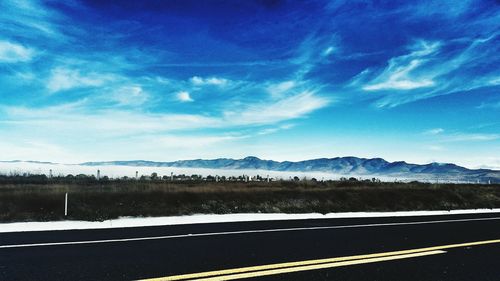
(96, 201)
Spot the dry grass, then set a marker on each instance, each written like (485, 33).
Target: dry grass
(100, 201)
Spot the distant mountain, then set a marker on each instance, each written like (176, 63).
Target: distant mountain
(348, 166)
(27, 161)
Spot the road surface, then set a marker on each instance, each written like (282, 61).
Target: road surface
(451, 247)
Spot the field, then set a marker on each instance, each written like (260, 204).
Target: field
(89, 199)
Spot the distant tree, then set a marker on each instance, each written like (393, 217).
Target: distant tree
(296, 178)
(154, 176)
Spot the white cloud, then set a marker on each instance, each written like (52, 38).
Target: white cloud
(80, 119)
(435, 147)
(493, 105)
(28, 16)
(277, 90)
(16, 149)
(12, 52)
(190, 142)
(64, 79)
(268, 131)
(291, 107)
(129, 95)
(74, 120)
(462, 137)
(430, 70)
(441, 136)
(184, 96)
(199, 81)
(488, 163)
(399, 74)
(328, 51)
(435, 131)
(399, 85)
(494, 81)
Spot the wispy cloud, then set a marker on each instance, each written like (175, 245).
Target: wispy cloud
(278, 89)
(430, 69)
(76, 119)
(198, 81)
(399, 73)
(64, 79)
(434, 147)
(328, 51)
(16, 149)
(74, 75)
(467, 137)
(288, 108)
(491, 105)
(435, 131)
(190, 141)
(442, 135)
(12, 52)
(464, 137)
(494, 80)
(23, 17)
(73, 119)
(132, 95)
(273, 130)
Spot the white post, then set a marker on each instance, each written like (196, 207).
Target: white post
(171, 176)
(66, 204)
(98, 174)
(136, 174)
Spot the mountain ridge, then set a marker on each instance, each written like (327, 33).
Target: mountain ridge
(349, 166)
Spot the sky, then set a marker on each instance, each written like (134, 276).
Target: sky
(417, 81)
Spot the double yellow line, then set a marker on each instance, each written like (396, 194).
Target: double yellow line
(288, 267)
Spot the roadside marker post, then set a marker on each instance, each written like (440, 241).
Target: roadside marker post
(66, 204)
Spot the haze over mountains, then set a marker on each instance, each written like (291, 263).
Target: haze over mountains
(348, 166)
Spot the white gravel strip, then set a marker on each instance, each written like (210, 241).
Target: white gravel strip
(197, 219)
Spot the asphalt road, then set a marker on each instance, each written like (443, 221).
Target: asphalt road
(391, 249)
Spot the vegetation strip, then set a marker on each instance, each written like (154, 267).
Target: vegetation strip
(92, 200)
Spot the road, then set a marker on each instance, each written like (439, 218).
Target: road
(404, 248)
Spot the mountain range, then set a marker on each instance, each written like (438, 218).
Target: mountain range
(348, 166)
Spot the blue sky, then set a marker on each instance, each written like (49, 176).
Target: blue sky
(282, 80)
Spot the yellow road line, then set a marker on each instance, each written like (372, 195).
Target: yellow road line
(317, 261)
(317, 266)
